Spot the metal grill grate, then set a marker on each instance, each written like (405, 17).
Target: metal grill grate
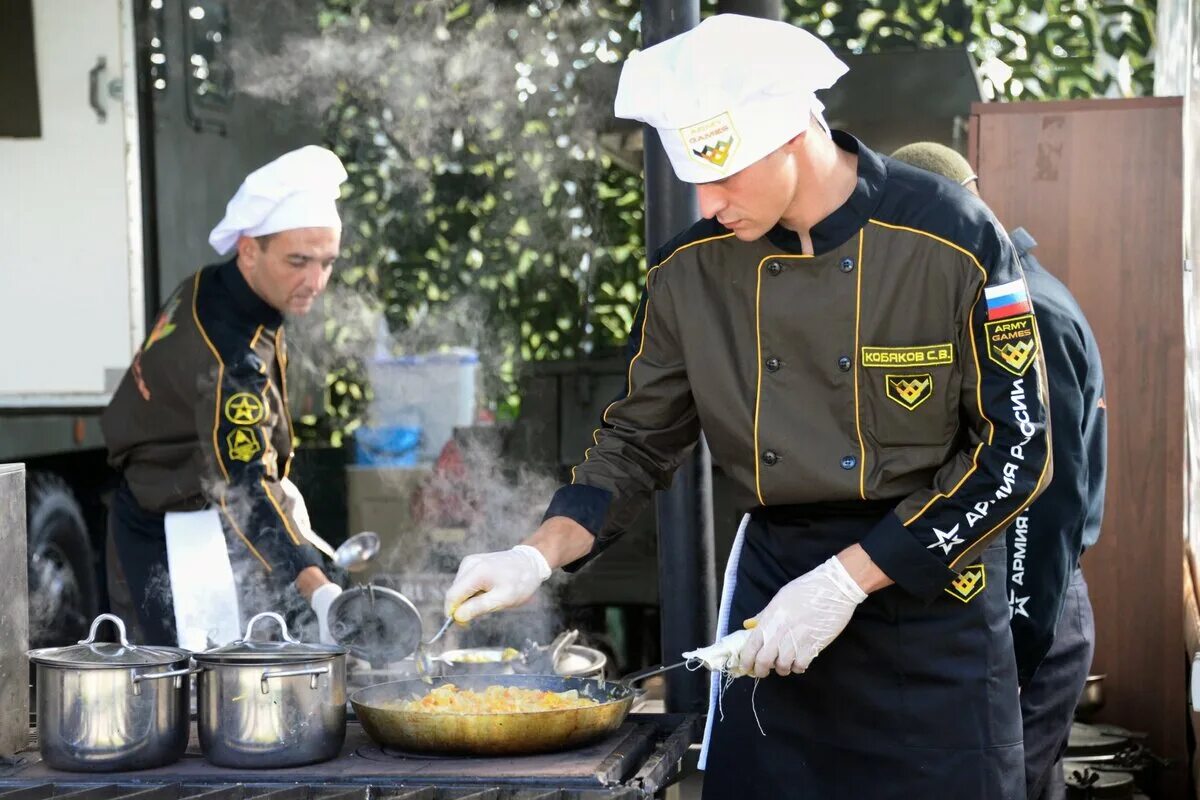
(183, 791)
(636, 763)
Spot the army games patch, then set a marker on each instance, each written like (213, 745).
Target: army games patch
(909, 390)
(967, 586)
(1012, 343)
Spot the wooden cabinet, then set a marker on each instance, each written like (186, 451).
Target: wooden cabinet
(1099, 185)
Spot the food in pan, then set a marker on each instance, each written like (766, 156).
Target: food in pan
(449, 699)
(485, 656)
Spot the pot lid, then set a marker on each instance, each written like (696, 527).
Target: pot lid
(258, 651)
(376, 623)
(1091, 741)
(90, 654)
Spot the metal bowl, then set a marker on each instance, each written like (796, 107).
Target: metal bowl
(577, 661)
(476, 661)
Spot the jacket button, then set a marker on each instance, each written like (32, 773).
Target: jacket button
(774, 268)
(773, 364)
(849, 462)
(770, 458)
(844, 363)
(847, 264)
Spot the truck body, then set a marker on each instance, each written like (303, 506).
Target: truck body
(122, 136)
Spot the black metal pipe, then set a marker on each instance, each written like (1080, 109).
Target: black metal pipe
(151, 272)
(769, 9)
(686, 561)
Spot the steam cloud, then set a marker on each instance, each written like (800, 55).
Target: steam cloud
(429, 87)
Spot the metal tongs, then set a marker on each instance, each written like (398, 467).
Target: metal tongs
(539, 659)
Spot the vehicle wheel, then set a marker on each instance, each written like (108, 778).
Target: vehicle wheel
(62, 582)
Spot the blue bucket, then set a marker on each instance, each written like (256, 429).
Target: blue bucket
(387, 446)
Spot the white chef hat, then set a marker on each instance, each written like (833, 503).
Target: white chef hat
(727, 92)
(297, 190)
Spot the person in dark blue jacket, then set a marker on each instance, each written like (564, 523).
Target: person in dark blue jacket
(1052, 627)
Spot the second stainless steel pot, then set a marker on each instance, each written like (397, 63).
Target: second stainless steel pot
(271, 704)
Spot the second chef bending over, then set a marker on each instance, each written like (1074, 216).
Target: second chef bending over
(199, 426)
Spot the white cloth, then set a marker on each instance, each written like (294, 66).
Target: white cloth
(320, 601)
(801, 620)
(722, 656)
(301, 518)
(727, 92)
(493, 581)
(299, 507)
(202, 587)
(728, 585)
(297, 190)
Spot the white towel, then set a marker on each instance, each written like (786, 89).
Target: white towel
(728, 585)
(205, 597)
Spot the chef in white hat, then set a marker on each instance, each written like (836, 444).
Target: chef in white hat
(199, 427)
(854, 339)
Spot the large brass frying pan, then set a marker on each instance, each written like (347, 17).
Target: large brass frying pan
(491, 734)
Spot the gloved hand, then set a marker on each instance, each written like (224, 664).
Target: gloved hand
(320, 601)
(493, 581)
(801, 620)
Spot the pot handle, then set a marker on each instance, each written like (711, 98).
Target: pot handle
(287, 637)
(177, 674)
(116, 621)
(315, 672)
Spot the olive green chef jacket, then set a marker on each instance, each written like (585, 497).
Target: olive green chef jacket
(878, 368)
(201, 418)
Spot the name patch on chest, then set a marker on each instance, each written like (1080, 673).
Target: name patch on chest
(923, 355)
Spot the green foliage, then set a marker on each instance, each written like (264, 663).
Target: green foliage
(1032, 50)
(482, 209)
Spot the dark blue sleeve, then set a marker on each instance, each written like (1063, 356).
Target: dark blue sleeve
(1044, 543)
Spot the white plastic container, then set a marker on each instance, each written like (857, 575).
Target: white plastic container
(432, 391)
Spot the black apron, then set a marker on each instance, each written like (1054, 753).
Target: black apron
(913, 701)
(140, 582)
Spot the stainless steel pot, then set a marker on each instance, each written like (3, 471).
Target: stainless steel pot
(271, 704)
(1091, 699)
(108, 707)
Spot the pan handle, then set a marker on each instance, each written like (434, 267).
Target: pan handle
(650, 672)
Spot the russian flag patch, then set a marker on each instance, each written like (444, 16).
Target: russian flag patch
(1007, 300)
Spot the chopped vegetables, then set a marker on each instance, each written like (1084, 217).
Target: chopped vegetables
(449, 699)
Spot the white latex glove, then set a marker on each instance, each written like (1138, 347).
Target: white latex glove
(320, 601)
(495, 580)
(801, 620)
(299, 507)
(723, 655)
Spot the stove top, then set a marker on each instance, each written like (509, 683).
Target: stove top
(636, 761)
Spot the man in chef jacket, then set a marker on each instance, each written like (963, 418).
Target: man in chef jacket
(199, 427)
